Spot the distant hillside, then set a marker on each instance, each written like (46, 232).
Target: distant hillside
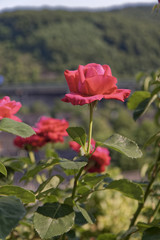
(38, 45)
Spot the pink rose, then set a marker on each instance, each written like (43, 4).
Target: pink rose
(76, 147)
(8, 108)
(98, 160)
(92, 82)
(30, 143)
(54, 130)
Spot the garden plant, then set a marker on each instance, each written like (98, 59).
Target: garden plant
(57, 206)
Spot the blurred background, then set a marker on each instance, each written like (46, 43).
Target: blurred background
(40, 39)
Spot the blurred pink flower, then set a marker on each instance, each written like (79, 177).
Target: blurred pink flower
(8, 108)
(30, 143)
(54, 130)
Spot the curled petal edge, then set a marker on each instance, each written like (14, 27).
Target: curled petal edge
(76, 99)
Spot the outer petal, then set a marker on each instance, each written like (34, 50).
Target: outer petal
(77, 99)
(107, 70)
(14, 106)
(98, 85)
(72, 80)
(119, 94)
(81, 73)
(16, 118)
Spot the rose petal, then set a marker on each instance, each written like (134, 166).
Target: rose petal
(71, 78)
(119, 94)
(107, 70)
(98, 85)
(81, 73)
(77, 99)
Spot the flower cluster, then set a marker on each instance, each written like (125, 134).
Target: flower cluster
(98, 160)
(8, 108)
(47, 130)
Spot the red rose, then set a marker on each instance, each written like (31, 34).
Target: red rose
(98, 160)
(31, 143)
(76, 147)
(92, 82)
(8, 108)
(54, 130)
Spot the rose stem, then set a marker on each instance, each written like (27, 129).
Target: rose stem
(88, 148)
(91, 106)
(31, 156)
(155, 171)
(154, 212)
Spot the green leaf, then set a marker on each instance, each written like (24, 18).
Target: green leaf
(151, 234)
(68, 164)
(11, 212)
(50, 183)
(53, 219)
(77, 134)
(152, 139)
(3, 169)
(85, 214)
(143, 107)
(26, 196)
(128, 188)
(122, 145)
(130, 231)
(79, 219)
(106, 236)
(136, 98)
(143, 226)
(18, 128)
(93, 179)
(36, 169)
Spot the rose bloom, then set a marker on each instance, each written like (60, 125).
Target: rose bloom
(54, 130)
(92, 82)
(8, 108)
(98, 160)
(30, 143)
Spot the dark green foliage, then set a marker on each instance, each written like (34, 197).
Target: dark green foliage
(36, 44)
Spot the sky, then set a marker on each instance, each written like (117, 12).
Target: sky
(8, 4)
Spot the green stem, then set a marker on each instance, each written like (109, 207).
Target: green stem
(91, 106)
(155, 171)
(76, 181)
(31, 156)
(154, 212)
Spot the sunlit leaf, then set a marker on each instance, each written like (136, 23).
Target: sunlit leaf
(122, 145)
(26, 196)
(3, 169)
(68, 164)
(128, 188)
(136, 98)
(17, 128)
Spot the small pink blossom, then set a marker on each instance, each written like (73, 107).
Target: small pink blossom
(8, 108)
